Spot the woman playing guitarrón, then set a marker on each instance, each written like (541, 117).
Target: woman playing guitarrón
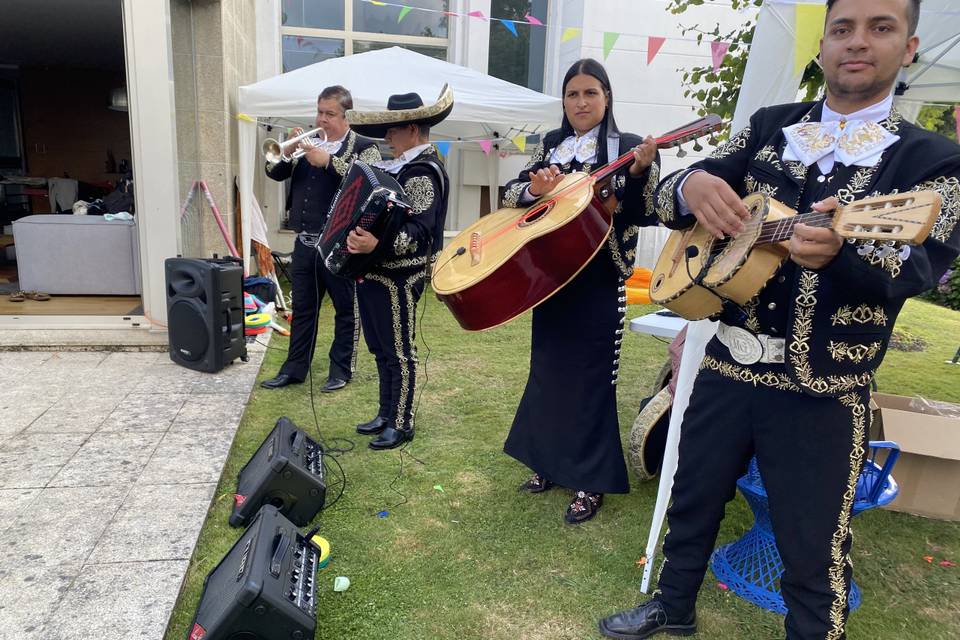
(566, 428)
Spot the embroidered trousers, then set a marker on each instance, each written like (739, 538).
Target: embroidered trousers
(809, 451)
(388, 311)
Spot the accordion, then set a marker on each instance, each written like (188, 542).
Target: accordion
(372, 200)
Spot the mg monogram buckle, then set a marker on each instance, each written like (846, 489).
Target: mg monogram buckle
(745, 347)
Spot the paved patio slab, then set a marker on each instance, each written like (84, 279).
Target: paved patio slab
(108, 463)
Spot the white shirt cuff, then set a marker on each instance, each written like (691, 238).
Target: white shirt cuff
(681, 201)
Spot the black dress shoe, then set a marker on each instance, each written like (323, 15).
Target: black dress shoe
(333, 384)
(647, 620)
(391, 438)
(373, 427)
(281, 380)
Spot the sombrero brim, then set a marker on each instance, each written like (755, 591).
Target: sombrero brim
(648, 437)
(374, 124)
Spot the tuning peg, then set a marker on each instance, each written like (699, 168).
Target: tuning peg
(680, 152)
(697, 146)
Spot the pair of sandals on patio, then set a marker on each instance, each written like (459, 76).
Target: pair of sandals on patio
(20, 296)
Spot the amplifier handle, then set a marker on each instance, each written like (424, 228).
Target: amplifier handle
(279, 550)
(297, 442)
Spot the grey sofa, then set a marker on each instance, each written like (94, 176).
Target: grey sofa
(77, 255)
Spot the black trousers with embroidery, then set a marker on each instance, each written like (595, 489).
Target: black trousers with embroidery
(809, 451)
(311, 281)
(388, 312)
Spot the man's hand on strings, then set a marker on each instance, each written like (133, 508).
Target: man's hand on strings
(815, 247)
(715, 204)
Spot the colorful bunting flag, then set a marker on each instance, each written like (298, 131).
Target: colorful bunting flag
(521, 142)
(443, 147)
(379, 4)
(570, 33)
(653, 47)
(609, 39)
(403, 13)
(477, 14)
(809, 19)
(532, 20)
(486, 145)
(510, 27)
(718, 51)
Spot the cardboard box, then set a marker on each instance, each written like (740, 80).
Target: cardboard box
(928, 470)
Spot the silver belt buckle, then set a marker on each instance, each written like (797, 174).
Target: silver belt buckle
(775, 350)
(745, 347)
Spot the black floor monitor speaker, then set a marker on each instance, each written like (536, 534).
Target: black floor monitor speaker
(286, 472)
(205, 312)
(263, 589)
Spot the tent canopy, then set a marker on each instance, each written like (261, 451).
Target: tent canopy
(769, 78)
(482, 103)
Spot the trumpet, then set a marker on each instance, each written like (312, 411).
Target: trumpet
(275, 151)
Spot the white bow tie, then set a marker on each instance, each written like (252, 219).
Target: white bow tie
(583, 148)
(852, 142)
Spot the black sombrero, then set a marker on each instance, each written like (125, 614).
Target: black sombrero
(648, 437)
(406, 108)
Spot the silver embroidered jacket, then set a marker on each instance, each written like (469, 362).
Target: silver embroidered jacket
(421, 236)
(837, 320)
(635, 195)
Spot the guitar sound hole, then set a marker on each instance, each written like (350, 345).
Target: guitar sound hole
(656, 283)
(534, 215)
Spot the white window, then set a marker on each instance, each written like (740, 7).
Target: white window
(316, 30)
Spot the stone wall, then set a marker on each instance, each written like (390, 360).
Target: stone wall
(214, 53)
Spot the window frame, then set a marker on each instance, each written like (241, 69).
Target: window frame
(348, 35)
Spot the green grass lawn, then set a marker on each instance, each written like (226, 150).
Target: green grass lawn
(480, 560)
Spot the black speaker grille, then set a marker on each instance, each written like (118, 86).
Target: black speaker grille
(187, 323)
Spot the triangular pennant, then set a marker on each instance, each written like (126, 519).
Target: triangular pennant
(403, 13)
(486, 145)
(653, 47)
(452, 14)
(379, 4)
(521, 142)
(532, 20)
(443, 147)
(510, 27)
(806, 45)
(477, 14)
(609, 39)
(570, 33)
(718, 51)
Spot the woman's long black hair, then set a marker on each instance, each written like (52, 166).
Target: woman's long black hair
(590, 67)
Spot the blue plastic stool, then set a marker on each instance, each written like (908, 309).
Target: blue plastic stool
(751, 566)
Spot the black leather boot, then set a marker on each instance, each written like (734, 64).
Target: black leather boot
(645, 621)
(391, 437)
(372, 427)
(281, 380)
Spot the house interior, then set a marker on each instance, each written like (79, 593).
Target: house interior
(65, 161)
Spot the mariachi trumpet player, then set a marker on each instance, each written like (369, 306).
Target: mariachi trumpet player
(315, 168)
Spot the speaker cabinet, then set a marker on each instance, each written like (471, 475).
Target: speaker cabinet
(205, 312)
(285, 472)
(263, 589)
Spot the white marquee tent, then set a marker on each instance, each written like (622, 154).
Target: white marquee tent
(768, 80)
(482, 104)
